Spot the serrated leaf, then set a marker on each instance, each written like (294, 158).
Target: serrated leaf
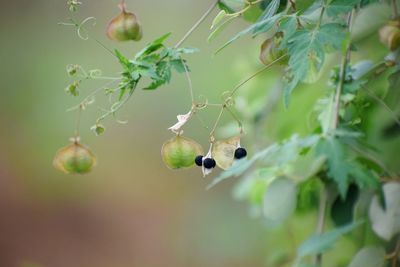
(338, 166)
(307, 49)
(153, 46)
(318, 243)
(270, 10)
(337, 7)
(372, 256)
(386, 222)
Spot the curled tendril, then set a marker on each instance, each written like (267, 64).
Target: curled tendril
(80, 28)
(95, 73)
(202, 103)
(228, 99)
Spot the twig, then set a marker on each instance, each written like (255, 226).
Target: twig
(255, 74)
(395, 11)
(197, 24)
(323, 201)
(342, 74)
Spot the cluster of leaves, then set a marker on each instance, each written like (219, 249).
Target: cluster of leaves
(155, 61)
(335, 156)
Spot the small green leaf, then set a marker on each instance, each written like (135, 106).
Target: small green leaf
(318, 243)
(337, 7)
(220, 16)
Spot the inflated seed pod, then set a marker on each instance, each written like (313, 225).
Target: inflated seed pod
(125, 26)
(389, 35)
(74, 159)
(270, 51)
(180, 152)
(223, 152)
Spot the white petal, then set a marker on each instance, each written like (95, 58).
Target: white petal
(207, 171)
(182, 119)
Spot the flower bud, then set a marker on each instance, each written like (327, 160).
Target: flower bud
(389, 35)
(74, 159)
(124, 27)
(180, 152)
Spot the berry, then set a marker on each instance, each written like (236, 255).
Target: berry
(209, 163)
(199, 160)
(240, 153)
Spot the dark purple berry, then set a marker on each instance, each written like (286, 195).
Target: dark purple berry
(199, 160)
(209, 163)
(240, 153)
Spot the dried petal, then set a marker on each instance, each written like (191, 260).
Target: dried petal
(223, 152)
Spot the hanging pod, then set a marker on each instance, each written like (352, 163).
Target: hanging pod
(180, 152)
(125, 26)
(389, 34)
(74, 159)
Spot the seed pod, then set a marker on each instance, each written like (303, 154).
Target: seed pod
(389, 35)
(125, 26)
(270, 51)
(223, 152)
(74, 159)
(180, 152)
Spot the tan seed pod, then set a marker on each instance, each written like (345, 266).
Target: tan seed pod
(180, 152)
(125, 26)
(223, 152)
(389, 35)
(74, 159)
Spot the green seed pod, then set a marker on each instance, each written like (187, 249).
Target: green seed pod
(124, 27)
(74, 159)
(270, 52)
(223, 152)
(389, 35)
(180, 152)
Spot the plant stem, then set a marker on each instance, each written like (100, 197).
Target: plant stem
(342, 74)
(396, 253)
(323, 201)
(216, 124)
(255, 74)
(197, 24)
(395, 11)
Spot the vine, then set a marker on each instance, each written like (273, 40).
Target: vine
(333, 164)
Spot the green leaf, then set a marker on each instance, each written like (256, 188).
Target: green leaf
(319, 243)
(153, 46)
(270, 10)
(126, 64)
(220, 16)
(386, 222)
(338, 166)
(372, 256)
(337, 7)
(219, 29)
(231, 6)
(277, 209)
(307, 49)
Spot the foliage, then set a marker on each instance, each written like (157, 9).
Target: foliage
(333, 163)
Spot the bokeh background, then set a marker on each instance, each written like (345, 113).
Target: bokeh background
(131, 211)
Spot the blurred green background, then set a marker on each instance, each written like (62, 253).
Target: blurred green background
(131, 211)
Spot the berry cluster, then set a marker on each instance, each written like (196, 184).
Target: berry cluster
(209, 163)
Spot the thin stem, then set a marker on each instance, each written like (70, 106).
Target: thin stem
(323, 201)
(395, 11)
(342, 74)
(380, 101)
(197, 24)
(78, 122)
(216, 124)
(255, 74)
(396, 253)
(321, 16)
(236, 119)
(188, 79)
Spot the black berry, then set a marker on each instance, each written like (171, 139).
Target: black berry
(209, 163)
(199, 160)
(240, 153)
